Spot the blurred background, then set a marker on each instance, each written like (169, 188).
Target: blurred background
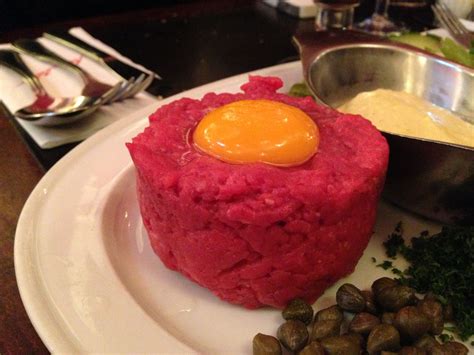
(19, 14)
(16, 14)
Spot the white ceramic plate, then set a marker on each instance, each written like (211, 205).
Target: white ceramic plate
(90, 281)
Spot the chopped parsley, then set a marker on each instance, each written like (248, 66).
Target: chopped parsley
(397, 271)
(395, 241)
(443, 264)
(445, 337)
(386, 265)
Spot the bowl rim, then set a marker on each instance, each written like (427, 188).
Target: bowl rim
(313, 46)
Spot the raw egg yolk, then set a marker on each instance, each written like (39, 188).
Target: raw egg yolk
(264, 131)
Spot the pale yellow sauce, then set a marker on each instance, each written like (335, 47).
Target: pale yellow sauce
(406, 114)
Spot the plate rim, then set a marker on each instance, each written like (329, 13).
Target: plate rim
(27, 278)
(46, 324)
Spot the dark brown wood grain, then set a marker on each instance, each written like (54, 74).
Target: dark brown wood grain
(19, 173)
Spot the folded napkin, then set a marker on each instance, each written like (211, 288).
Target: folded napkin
(64, 83)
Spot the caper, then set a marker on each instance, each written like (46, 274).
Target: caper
(383, 337)
(265, 345)
(438, 349)
(341, 345)
(325, 328)
(430, 296)
(411, 350)
(388, 317)
(379, 284)
(349, 298)
(330, 313)
(358, 338)
(449, 348)
(313, 348)
(415, 300)
(434, 311)
(370, 305)
(426, 342)
(448, 313)
(293, 334)
(300, 310)
(411, 322)
(393, 298)
(363, 323)
(456, 348)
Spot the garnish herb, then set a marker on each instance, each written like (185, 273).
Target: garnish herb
(445, 337)
(443, 264)
(385, 265)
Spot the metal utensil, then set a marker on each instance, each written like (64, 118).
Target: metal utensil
(92, 87)
(431, 178)
(452, 24)
(123, 69)
(46, 110)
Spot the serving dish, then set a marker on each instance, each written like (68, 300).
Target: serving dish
(431, 178)
(91, 283)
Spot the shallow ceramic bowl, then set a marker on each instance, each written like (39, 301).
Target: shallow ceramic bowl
(431, 178)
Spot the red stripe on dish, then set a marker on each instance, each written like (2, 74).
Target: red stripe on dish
(77, 60)
(45, 72)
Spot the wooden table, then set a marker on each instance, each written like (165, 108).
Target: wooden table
(188, 45)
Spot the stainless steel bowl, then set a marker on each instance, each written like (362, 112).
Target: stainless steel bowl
(431, 178)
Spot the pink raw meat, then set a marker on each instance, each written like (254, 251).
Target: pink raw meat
(256, 234)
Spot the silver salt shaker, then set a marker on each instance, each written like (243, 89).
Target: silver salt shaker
(334, 14)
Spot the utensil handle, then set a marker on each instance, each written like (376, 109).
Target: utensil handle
(12, 60)
(70, 41)
(36, 49)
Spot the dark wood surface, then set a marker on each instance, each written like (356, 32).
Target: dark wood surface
(188, 45)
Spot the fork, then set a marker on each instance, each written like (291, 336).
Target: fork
(93, 87)
(455, 27)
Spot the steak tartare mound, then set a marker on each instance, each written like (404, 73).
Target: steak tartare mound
(257, 234)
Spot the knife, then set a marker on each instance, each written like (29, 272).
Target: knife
(123, 69)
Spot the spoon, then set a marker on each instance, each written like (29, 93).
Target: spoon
(92, 87)
(46, 110)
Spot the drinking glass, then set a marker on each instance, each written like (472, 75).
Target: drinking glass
(379, 22)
